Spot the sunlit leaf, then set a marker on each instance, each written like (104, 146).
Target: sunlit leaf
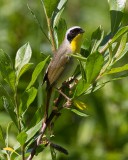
(79, 57)
(37, 71)
(62, 4)
(79, 104)
(118, 69)
(50, 6)
(93, 66)
(79, 113)
(116, 13)
(22, 137)
(24, 69)
(7, 132)
(57, 16)
(2, 138)
(6, 69)
(117, 4)
(10, 149)
(120, 32)
(23, 56)
(120, 52)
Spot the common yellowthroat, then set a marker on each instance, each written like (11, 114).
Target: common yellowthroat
(63, 65)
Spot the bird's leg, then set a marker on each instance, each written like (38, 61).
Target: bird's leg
(64, 95)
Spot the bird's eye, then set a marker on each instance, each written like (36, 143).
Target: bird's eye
(72, 32)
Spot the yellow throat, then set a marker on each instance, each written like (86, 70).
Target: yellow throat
(76, 43)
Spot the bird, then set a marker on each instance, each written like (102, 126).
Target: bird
(63, 65)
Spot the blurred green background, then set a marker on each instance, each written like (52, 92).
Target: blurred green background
(103, 135)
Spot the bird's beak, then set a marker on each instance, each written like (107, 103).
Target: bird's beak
(82, 31)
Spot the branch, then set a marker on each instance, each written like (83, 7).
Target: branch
(46, 124)
(42, 131)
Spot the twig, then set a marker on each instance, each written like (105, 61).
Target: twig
(43, 129)
(64, 95)
(51, 35)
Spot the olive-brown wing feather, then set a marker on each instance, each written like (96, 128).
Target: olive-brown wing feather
(56, 67)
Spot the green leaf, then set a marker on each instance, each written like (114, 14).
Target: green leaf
(62, 4)
(50, 6)
(81, 87)
(11, 150)
(79, 104)
(18, 158)
(37, 71)
(93, 66)
(2, 138)
(61, 29)
(40, 148)
(59, 148)
(26, 99)
(79, 113)
(7, 72)
(6, 94)
(38, 22)
(24, 69)
(122, 46)
(120, 32)
(10, 109)
(79, 57)
(118, 5)
(23, 56)
(96, 38)
(116, 13)
(82, 69)
(7, 133)
(37, 117)
(118, 69)
(22, 137)
(30, 133)
(57, 15)
(100, 85)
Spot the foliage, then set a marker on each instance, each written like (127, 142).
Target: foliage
(105, 52)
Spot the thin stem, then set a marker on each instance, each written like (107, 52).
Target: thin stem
(51, 35)
(22, 150)
(17, 110)
(52, 38)
(64, 95)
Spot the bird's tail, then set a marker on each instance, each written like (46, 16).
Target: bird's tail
(48, 97)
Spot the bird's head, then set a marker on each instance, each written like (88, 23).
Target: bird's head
(74, 37)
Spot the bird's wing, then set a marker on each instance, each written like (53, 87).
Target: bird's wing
(56, 67)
